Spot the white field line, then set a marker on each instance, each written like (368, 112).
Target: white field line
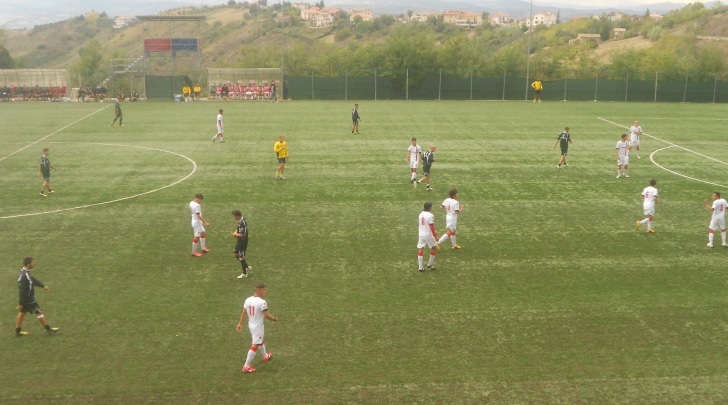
(52, 133)
(194, 169)
(674, 145)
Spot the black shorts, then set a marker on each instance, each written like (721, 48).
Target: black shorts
(31, 308)
(537, 91)
(282, 160)
(563, 151)
(46, 175)
(241, 247)
(426, 171)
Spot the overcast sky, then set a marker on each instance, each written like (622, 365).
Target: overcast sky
(28, 13)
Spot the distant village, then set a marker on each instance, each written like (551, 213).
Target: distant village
(322, 17)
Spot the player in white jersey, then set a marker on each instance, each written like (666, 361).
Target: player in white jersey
(197, 225)
(414, 154)
(453, 208)
(718, 219)
(622, 156)
(219, 133)
(255, 308)
(427, 236)
(635, 132)
(649, 197)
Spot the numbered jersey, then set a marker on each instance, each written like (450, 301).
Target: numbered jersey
(254, 307)
(719, 207)
(426, 219)
(452, 206)
(194, 210)
(649, 194)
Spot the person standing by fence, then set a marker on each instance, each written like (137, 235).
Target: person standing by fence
(537, 87)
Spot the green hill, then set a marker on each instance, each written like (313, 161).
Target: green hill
(248, 36)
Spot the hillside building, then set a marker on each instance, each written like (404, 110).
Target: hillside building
(462, 18)
(546, 18)
(364, 14)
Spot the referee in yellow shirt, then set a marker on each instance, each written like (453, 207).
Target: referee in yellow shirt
(281, 151)
(537, 87)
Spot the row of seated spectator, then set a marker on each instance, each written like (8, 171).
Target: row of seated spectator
(36, 93)
(252, 91)
(86, 94)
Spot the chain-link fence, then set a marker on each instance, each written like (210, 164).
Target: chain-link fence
(438, 84)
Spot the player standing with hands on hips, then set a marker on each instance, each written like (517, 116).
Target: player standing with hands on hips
(635, 132)
(718, 219)
(26, 302)
(255, 308)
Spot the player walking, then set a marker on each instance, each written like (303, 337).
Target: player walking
(635, 131)
(649, 196)
(414, 154)
(428, 158)
(255, 308)
(27, 302)
(219, 133)
(355, 118)
(117, 111)
(622, 151)
(427, 236)
(453, 208)
(280, 148)
(44, 171)
(241, 233)
(718, 219)
(197, 226)
(564, 139)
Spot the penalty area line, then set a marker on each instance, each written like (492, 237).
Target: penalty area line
(53, 133)
(672, 144)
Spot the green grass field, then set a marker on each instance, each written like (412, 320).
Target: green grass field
(554, 298)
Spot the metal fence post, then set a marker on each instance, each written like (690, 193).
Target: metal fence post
(439, 87)
(685, 90)
(406, 86)
(626, 88)
(715, 86)
(503, 96)
(346, 84)
(312, 95)
(566, 80)
(375, 84)
(596, 86)
(471, 84)
(656, 73)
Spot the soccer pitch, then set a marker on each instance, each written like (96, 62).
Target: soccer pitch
(555, 296)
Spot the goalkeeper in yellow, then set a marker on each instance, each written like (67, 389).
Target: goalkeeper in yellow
(537, 87)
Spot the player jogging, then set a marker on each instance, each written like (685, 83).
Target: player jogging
(414, 153)
(219, 133)
(564, 139)
(635, 131)
(428, 158)
(255, 308)
(197, 225)
(453, 208)
(241, 234)
(622, 151)
(27, 303)
(427, 236)
(649, 196)
(718, 219)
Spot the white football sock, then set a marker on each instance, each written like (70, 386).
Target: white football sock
(249, 359)
(452, 239)
(202, 243)
(722, 235)
(262, 351)
(710, 237)
(194, 247)
(420, 259)
(431, 261)
(442, 238)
